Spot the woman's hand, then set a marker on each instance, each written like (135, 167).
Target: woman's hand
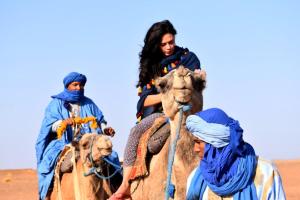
(109, 131)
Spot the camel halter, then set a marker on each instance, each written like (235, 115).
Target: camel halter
(97, 170)
(170, 188)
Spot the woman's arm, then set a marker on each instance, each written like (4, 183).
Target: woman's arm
(152, 100)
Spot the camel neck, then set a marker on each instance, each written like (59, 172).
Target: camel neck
(174, 123)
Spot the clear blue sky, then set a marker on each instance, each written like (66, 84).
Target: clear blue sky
(250, 50)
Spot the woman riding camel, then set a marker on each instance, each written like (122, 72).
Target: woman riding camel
(159, 56)
(61, 111)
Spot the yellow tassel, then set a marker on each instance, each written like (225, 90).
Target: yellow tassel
(61, 129)
(85, 120)
(140, 90)
(153, 82)
(165, 70)
(139, 119)
(77, 120)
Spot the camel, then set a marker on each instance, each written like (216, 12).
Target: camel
(76, 185)
(179, 87)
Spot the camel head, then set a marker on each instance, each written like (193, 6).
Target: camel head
(94, 146)
(180, 87)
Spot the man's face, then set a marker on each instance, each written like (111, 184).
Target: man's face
(199, 147)
(167, 45)
(75, 86)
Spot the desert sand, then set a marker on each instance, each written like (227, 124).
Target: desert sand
(21, 184)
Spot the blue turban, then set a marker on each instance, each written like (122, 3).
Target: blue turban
(74, 95)
(210, 127)
(74, 77)
(229, 163)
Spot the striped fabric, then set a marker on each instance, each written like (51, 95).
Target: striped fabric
(267, 182)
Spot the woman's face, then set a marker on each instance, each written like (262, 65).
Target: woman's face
(199, 147)
(75, 86)
(167, 44)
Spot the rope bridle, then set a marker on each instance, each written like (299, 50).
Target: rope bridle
(97, 170)
(170, 188)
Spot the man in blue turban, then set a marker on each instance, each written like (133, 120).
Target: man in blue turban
(229, 166)
(64, 106)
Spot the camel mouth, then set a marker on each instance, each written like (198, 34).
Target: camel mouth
(183, 96)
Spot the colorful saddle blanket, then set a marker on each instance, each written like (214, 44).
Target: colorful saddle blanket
(150, 142)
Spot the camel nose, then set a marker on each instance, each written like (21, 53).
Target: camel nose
(181, 81)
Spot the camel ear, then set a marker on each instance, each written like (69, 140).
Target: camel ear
(199, 80)
(203, 74)
(200, 74)
(161, 84)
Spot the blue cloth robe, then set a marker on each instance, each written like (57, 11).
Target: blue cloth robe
(229, 169)
(48, 147)
(267, 182)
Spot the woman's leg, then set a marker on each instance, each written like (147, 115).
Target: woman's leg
(130, 153)
(134, 138)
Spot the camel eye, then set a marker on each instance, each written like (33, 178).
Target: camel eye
(162, 85)
(84, 144)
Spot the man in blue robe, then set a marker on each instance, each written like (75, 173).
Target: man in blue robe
(64, 106)
(229, 167)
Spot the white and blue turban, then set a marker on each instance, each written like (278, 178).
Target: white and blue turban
(210, 127)
(228, 163)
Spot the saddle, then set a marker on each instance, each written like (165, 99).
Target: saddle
(66, 164)
(158, 138)
(150, 144)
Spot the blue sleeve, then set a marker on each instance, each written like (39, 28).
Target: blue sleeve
(52, 114)
(141, 110)
(191, 61)
(96, 112)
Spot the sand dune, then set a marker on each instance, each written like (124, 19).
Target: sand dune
(290, 174)
(22, 184)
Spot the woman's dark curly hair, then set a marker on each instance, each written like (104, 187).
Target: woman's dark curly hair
(151, 54)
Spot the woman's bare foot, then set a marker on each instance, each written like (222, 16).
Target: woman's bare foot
(119, 196)
(122, 193)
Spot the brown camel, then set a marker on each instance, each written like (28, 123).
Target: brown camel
(76, 186)
(179, 87)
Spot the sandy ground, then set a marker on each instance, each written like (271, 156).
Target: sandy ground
(22, 184)
(290, 174)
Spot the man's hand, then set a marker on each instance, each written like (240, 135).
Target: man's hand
(109, 131)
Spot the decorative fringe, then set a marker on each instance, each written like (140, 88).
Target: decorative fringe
(77, 120)
(140, 90)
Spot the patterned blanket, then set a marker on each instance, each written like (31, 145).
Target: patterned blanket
(139, 168)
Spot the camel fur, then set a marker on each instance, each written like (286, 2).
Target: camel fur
(179, 87)
(88, 187)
